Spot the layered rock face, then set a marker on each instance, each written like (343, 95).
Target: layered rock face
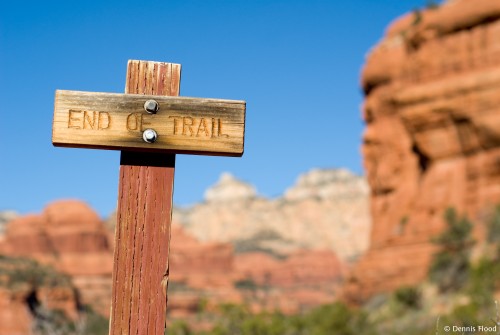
(27, 291)
(432, 140)
(211, 273)
(15, 315)
(70, 237)
(305, 279)
(326, 209)
(300, 268)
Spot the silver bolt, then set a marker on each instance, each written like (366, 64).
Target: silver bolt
(149, 136)
(151, 106)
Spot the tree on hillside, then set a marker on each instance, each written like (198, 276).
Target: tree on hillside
(450, 267)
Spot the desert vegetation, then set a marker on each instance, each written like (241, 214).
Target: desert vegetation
(16, 272)
(30, 280)
(55, 322)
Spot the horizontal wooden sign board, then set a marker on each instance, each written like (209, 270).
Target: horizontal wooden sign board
(118, 121)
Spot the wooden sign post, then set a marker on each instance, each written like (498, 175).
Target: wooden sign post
(149, 124)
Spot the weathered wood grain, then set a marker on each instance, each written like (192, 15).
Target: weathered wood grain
(117, 121)
(142, 236)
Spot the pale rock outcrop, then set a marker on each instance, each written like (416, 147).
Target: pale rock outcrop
(325, 184)
(326, 209)
(5, 217)
(230, 189)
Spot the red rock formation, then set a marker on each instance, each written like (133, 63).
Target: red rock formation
(306, 278)
(15, 315)
(69, 236)
(433, 135)
(27, 290)
(200, 265)
(15, 318)
(304, 267)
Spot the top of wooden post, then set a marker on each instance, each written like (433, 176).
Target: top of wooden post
(154, 78)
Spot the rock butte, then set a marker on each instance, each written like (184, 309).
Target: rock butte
(326, 209)
(432, 139)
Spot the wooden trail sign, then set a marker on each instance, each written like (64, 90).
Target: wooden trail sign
(118, 121)
(149, 124)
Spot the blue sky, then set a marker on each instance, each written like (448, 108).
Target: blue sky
(296, 63)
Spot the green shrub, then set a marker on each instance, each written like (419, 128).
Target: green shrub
(409, 297)
(231, 320)
(94, 323)
(50, 322)
(178, 286)
(432, 4)
(417, 17)
(450, 266)
(335, 318)
(484, 280)
(494, 226)
(178, 327)
(18, 271)
(245, 284)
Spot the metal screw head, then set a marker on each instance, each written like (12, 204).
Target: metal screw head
(149, 136)
(151, 106)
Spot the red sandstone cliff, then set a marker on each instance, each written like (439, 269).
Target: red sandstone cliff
(432, 139)
(69, 236)
(29, 290)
